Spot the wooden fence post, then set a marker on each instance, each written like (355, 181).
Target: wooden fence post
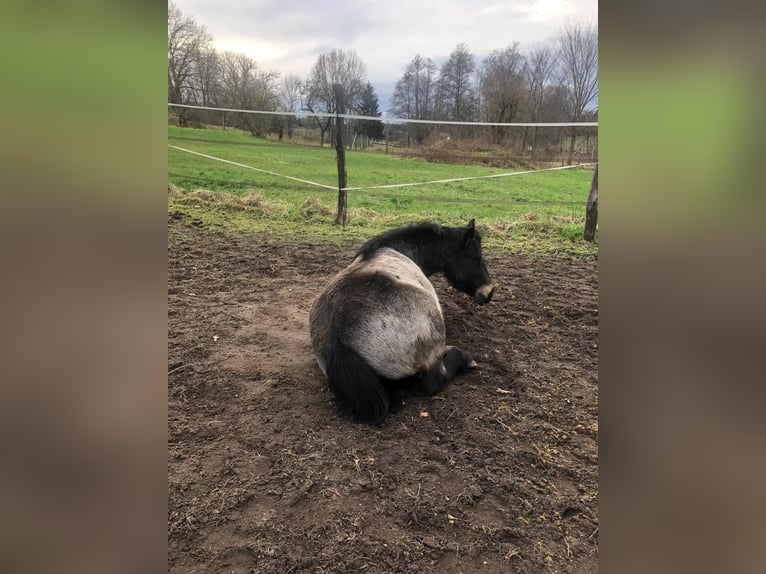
(591, 211)
(340, 108)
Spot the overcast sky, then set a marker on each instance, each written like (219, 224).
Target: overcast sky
(288, 35)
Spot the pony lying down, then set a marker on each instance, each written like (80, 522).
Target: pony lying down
(377, 329)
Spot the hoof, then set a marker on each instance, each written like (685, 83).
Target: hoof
(457, 361)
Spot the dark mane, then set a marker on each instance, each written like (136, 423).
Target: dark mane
(403, 239)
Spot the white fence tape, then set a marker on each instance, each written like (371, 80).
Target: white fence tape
(393, 121)
(251, 167)
(386, 186)
(507, 174)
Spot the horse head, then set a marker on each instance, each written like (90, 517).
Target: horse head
(465, 268)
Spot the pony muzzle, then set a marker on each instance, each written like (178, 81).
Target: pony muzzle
(484, 294)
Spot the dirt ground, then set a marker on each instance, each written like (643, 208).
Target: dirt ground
(499, 473)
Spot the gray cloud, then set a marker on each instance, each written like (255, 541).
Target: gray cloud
(288, 35)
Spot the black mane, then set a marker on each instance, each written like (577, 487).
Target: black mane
(429, 245)
(403, 239)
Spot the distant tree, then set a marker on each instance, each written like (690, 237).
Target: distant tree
(554, 108)
(248, 88)
(237, 77)
(206, 79)
(368, 106)
(578, 57)
(457, 96)
(555, 103)
(539, 67)
(290, 93)
(266, 98)
(290, 100)
(503, 88)
(414, 95)
(342, 67)
(186, 40)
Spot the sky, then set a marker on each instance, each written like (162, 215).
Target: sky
(287, 36)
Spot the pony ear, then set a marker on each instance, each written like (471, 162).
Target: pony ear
(470, 231)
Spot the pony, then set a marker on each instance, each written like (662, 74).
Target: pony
(377, 329)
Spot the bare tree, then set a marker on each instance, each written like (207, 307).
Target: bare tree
(186, 40)
(290, 93)
(342, 67)
(555, 108)
(503, 88)
(578, 56)
(289, 101)
(414, 95)
(265, 96)
(538, 69)
(206, 79)
(237, 72)
(457, 91)
(248, 88)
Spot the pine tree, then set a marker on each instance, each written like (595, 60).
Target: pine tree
(369, 107)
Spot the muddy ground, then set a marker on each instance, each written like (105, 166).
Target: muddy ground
(499, 473)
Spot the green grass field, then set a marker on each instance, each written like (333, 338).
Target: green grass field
(511, 211)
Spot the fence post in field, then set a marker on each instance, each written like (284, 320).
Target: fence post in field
(340, 108)
(591, 210)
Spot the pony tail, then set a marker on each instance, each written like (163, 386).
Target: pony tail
(358, 390)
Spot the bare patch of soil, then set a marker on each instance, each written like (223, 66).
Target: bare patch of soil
(497, 474)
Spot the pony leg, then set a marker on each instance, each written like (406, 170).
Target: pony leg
(471, 363)
(455, 362)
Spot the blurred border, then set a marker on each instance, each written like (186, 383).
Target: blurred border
(83, 221)
(681, 289)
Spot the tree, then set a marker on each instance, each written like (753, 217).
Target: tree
(186, 40)
(237, 71)
(368, 106)
(290, 101)
(554, 108)
(206, 79)
(414, 95)
(538, 70)
(503, 88)
(457, 93)
(578, 56)
(248, 88)
(555, 103)
(335, 67)
(290, 93)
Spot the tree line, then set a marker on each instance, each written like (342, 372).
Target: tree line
(556, 81)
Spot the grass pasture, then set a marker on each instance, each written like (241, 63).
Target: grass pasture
(526, 213)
